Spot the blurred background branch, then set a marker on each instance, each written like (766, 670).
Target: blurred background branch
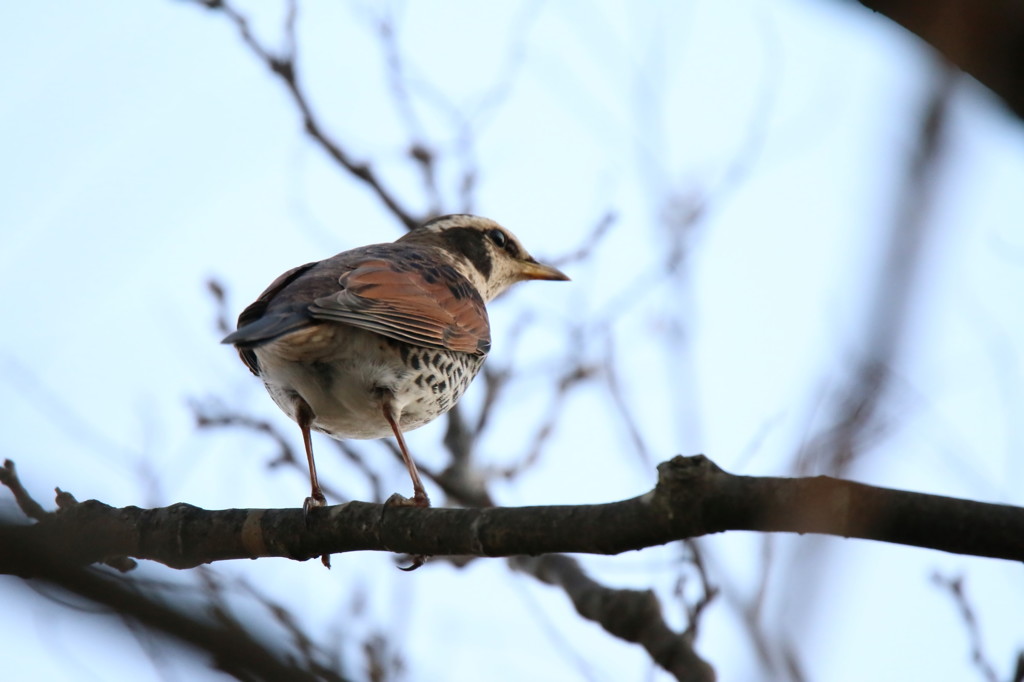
(984, 38)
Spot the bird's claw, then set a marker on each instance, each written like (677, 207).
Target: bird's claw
(420, 499)
(417, 561)
(315, 501)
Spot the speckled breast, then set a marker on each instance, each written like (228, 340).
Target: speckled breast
(436, 381)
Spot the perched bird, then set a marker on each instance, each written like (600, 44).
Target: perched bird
(384, 338)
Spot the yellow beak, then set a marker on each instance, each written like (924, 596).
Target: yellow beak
(531, 269)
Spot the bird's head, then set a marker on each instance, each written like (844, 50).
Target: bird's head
(490, 256)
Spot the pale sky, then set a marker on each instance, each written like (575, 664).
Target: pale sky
(147, 150)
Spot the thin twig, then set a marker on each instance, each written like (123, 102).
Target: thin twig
(29, 507)
(955, 587)
(284, 67)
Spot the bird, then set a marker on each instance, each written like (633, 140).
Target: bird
(382, 339)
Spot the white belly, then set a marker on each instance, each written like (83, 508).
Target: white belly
(345, 375)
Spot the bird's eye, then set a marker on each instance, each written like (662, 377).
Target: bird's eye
(499, 238)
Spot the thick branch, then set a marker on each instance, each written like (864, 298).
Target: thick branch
(693, 497)
(985, 38)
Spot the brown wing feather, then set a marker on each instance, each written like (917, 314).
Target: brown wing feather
(407, 300)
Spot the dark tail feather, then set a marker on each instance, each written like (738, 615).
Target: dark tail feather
(266, 329)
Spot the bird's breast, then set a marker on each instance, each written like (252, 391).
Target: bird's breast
(346, 375)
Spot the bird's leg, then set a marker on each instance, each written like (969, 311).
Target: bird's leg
(419, 495)
(304, 417)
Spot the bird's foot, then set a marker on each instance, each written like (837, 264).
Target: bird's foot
(314, 501)
(420, 499)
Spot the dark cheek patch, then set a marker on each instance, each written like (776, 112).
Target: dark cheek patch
(470, 243)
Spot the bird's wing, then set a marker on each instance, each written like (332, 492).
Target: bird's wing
(256, 327)
(397, 293)
(410, 299)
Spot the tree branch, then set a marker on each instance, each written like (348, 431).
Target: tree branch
(233, 649)
(29, 507)
(283, 66)
(632, 615)
(693, 497)
(985, 38)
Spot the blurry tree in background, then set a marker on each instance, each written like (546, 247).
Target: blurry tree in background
(627, 361)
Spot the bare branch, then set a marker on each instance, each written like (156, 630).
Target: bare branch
(309, 656)
(858, 415)
(209, 418)
(955, 587)
(982, 37)
(632, 615)
(233, 649)
(29, 507)
(419, 151)
(593, 239)
(284, 67)
(217, 292)
(708, 591)
(693, 497)
(575, 373)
